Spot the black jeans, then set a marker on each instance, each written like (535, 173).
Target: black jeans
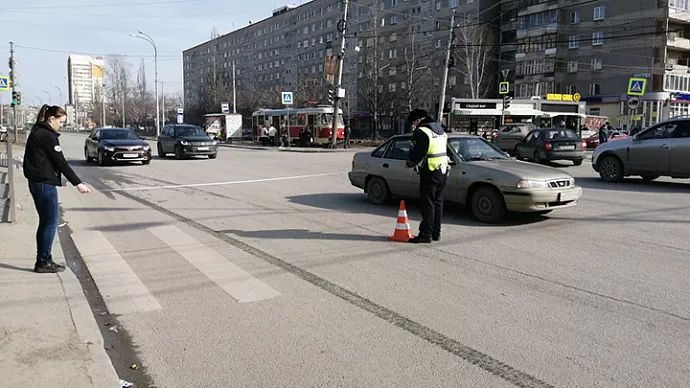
(431, 187)
(46, 200)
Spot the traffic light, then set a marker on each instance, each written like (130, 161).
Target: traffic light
(506, 101)
(331, 96)
(14, 98)
(19, 98)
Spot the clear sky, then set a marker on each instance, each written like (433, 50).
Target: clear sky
(46, 32)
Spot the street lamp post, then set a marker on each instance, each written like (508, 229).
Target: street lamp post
(103, 94)
(147, 38)
(50, 98)
(59, 93)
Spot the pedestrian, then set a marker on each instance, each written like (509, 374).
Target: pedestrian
(264, 135)
(428, 156)
(348, 132)
(272, 135)
(604, 133)
(44, 165)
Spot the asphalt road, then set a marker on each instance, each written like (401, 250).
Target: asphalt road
(267, 269)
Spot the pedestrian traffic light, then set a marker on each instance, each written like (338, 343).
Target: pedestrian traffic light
(19, 98)
(331, 96)
(14, 98)
(506, 101)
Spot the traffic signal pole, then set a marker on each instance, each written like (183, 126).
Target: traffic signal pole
(14, 93)
(342, 27)
(10, 159)
(444, 82)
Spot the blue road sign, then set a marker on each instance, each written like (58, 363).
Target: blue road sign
(287, 98)
(637, 86)
(225, 107)
(4, 83)
(503, 87)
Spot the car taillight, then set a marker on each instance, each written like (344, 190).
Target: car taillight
(547, 146)
(584, 144)
(495, 135)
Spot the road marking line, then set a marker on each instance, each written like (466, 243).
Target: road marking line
(122, 290)
(221, 183)
(238, 283)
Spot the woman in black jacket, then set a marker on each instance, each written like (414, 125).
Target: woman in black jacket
(44, 165)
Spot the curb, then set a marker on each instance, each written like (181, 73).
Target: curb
(100, 370)
(295, 149)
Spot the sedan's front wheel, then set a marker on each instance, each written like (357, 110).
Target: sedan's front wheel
(611, 169)
(102, 161)
(87, 156)
(179, 154)
(488, 205)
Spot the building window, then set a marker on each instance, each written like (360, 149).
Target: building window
(394, 3)
(452, 80)
(393, 71)
(393, 37)
(453, 3)
(437, 81)
(597, 38)
(596, 63)
(573, 42)
(594, 89)
(600, 13)
(438, 43)
(571, 89)
(574, 17)
(329, 23)
(391, 87)
(572, 66)
(595, 111)
(438, 5)
(394, 19)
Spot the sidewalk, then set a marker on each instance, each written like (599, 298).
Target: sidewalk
(48, 335)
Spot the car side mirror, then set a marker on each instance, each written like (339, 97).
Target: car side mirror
(452, 162)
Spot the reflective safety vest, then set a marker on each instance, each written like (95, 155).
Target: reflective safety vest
(436, 154)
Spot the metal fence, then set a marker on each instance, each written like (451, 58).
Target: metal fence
(7, 179)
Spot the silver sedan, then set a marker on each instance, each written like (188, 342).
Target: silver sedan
(482, 177)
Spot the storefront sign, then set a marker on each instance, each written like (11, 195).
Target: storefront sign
(564, 108)
(475, 105)
(563, 97)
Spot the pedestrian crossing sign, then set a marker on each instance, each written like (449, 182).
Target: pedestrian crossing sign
(503, 87)
(4, 83)
(287, 98)
(637, 86)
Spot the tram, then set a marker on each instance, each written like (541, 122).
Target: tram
(318, 120)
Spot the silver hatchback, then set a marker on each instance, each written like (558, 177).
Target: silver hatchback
(660, 150)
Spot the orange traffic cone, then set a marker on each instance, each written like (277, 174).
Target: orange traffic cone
(402, 228)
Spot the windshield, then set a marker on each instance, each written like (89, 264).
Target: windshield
(119, 134)
(475, 149)
(557, 134)
(190, 131)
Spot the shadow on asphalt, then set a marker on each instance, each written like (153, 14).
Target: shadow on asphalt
(357, 203)
(128, 227)
(301, 234)
(15, 268)
(636, 185)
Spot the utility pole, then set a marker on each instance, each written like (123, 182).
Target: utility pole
(376, 70)
(10, 159)
(342, 27)
(444, 83)
(163, 104)
(124, 94)
(14, 91)
(234, 90)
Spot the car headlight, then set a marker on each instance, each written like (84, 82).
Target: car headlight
(146, 148)
(184, 142)
(109, 148)
(529, 184)
(214, 142)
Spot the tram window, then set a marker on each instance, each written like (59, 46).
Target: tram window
(311, 120)
(260, 120)
(293, 120)
(324, 119)
(301, 120)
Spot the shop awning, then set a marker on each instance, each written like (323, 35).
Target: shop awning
(523, 112)
(477, 112)
(556, 114)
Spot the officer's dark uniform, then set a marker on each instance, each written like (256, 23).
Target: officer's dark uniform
(428, 153)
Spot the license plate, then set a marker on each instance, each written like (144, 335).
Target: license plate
(567, 196)
(567, 148)
(130, 155)
(202, 149)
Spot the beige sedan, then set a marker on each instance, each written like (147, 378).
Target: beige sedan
(482, 178)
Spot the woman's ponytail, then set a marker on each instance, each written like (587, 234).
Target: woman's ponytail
(41, 116)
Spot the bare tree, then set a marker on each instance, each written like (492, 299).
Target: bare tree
(416, 67)
(473, 56)
(119, 89)
(310, 90)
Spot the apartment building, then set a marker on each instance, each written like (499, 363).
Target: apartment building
(593, 48)
(394, 56)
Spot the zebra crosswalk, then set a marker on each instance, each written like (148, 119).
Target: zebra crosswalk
(124, 292)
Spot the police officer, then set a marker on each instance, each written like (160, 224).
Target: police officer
(428, 157)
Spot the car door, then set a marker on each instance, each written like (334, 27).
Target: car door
(400, 179)
(508, 138)
(165, 138)
(649, 152)
(680, 150)
(92, 142)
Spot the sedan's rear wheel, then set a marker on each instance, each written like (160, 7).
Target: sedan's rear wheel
(536, 157)
(611, 169)
(161, 154)
(378, 191)
(578, 162)
(87, 156)
(488, 205)
(517, 154)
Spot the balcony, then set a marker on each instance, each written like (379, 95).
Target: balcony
(679, 11)
(537, 31)
(678, 43)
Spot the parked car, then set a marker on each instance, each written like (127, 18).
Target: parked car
(660, 150)
(184, 140)
(508, 136)
(593, 141)
(114, 145)
(547, 144)
(482, 177)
